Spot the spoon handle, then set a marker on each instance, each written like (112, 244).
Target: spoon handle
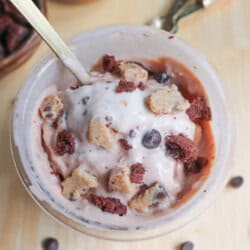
(182, 8)
(51, 37)
(186, 9)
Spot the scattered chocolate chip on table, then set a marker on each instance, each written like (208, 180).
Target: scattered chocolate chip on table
(50, 244)
(236, 181)
(187, 246)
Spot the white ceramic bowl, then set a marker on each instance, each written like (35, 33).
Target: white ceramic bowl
(123, 42)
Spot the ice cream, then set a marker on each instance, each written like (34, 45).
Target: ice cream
(123, 148)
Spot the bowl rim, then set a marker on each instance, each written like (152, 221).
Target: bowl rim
(101, 228)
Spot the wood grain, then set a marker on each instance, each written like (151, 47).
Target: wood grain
(223, 34)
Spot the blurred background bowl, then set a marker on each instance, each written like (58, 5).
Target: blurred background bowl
(19, 56)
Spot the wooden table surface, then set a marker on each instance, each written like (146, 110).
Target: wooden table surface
(223, 34)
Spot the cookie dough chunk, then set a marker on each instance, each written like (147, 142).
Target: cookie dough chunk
(51, 108)
(147, 197)
(167, 100)
(78, 184)
(100, 135)
(119, 181)
(133, 72)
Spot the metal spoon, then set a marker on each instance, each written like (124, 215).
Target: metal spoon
(51, 37)
(175, 10)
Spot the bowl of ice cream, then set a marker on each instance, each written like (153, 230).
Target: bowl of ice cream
(138, 152)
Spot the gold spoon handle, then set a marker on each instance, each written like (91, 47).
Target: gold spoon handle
(51, 37)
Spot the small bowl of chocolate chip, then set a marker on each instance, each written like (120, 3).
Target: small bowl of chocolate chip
(18, 40)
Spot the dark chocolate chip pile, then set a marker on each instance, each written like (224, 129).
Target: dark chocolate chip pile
(50, 244)
(14, 29)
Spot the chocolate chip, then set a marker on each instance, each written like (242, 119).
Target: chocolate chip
(109, 118)
(236, 181)
(50, 244)
(161, 77)
(151, 139)
(187, 246)
(161, 193)
(132, 133)
(85, 99)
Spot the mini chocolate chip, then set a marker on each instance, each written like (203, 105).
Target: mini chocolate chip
(237, 181)
(161, 77)
(132, 133)
(50, 244)
(151, 139)
(85, 99)
(187, 246)
(109, 118)
(66, 116)
(160, 194)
